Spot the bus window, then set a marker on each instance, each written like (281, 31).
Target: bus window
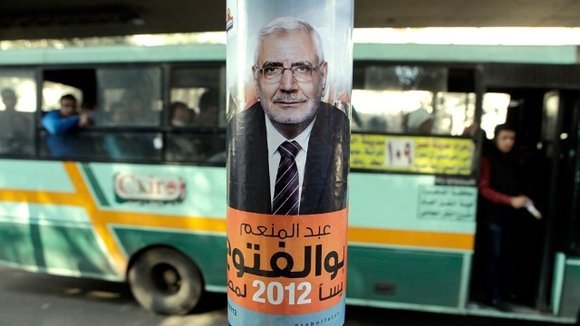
(66, 142)
(128, 146)
(495, 108)
(398, 109)
(129, 96)
(104, 145)
(410, 100)
(199, 89)
(18, 91)
(196, 116)
(198, 148)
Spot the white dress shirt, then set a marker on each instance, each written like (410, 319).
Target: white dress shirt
(275, 139)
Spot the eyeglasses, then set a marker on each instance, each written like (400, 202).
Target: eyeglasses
(274, 74)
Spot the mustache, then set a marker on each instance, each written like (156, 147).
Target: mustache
(289, 98)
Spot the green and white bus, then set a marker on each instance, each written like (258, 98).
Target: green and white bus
(140, 198)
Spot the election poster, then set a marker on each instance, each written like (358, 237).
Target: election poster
(289, 81)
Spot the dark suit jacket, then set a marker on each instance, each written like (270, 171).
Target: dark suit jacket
(324, 186)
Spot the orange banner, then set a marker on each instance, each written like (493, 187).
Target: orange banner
(286, 265)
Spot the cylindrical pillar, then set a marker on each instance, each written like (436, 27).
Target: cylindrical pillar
(289, 80)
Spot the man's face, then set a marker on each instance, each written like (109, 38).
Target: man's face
(505, 140)
(181, 117)
(289, 101)
(9, 101)
(68, 107)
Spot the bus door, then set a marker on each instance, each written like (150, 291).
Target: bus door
(565, 201)
(544, 112)
(573, 234)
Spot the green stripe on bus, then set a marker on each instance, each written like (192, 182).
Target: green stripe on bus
(64, 250)
(95, 185)
(570, 304)
(404, 276)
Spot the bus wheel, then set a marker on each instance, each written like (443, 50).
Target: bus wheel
(165, 281)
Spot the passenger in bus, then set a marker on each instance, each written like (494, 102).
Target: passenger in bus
(181, 146)
(501, 194)
(181, 114)
(9, 100)
(289, 126)
(62, 124)
(16, 128)
(66, 119)
(208, 115)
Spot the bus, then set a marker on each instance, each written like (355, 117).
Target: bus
(139, 197)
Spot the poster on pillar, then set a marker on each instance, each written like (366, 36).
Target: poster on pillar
(289, 80)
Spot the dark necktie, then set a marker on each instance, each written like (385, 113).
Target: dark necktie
(286, 195)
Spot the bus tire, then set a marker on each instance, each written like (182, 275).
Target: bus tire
(165, 281)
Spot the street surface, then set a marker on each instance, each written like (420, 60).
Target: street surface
(43, 300)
